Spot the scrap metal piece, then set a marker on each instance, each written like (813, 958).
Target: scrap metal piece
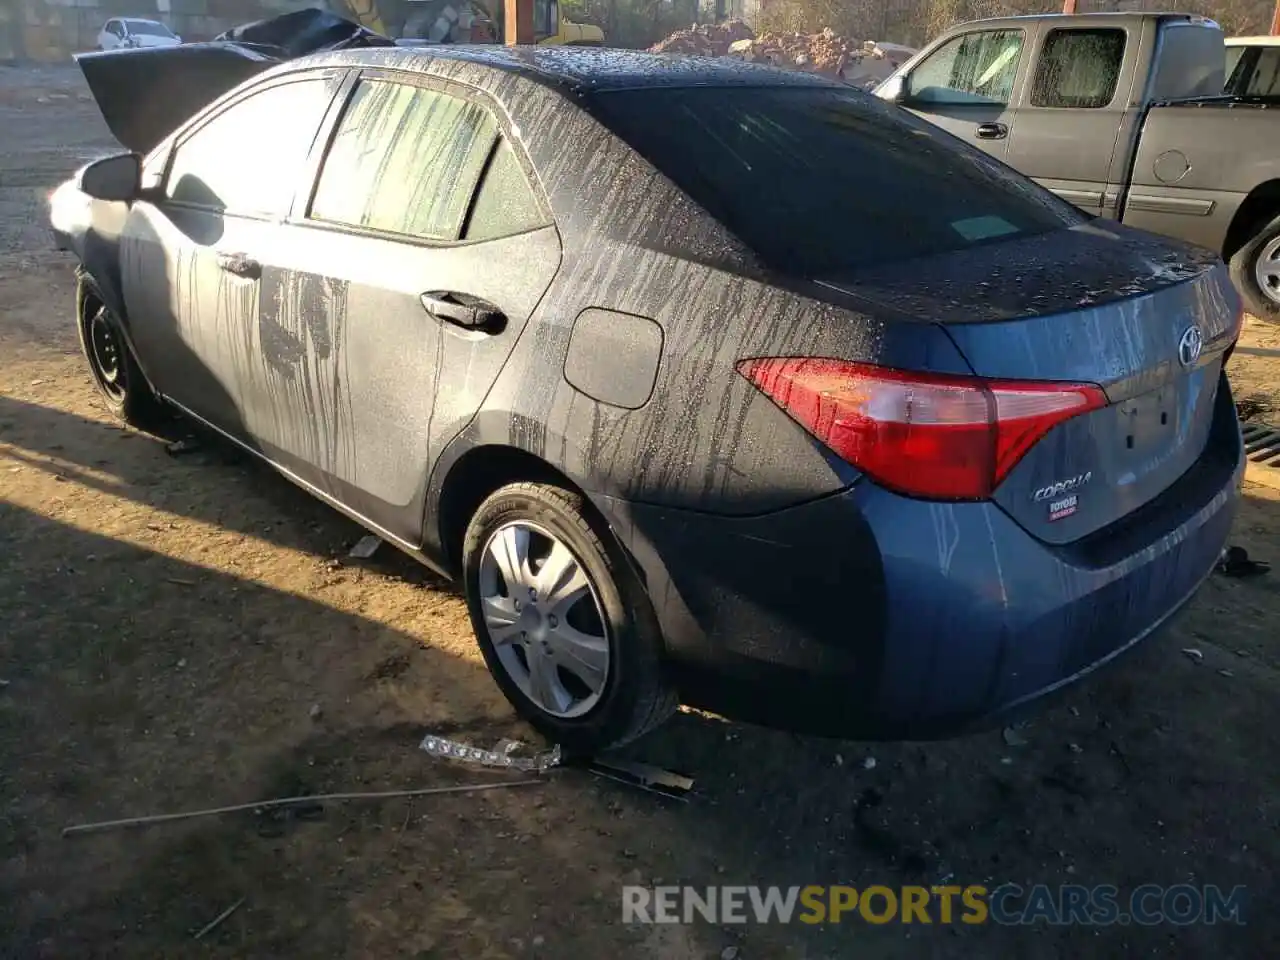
(503, 755)
(365, 547)
(644, 776)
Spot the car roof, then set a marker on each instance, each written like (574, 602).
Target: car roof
(583, 68)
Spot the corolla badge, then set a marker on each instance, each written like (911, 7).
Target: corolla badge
(1055, 490)
(1190, 345)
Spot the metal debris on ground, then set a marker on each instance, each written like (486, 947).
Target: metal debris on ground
(290, 802)
(1225, 673)
(178, 447)
(365, 547)
(643, 776)
(503, 755)
(1193, 653)
(1235, 562)
(1013, 738)
(212, 924)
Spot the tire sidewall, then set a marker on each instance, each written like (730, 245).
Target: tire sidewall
(1241, 268)
(629, 617)
(118, 405)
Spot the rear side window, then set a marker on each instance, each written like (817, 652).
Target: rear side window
(404, 160)
(505, 203)
(822, 180)
(249, 158)
(1078, 68)
(970, 70)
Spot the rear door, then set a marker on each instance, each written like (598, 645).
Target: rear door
(395, 293)
(190, 254)
(1076, 116)
(967, 85)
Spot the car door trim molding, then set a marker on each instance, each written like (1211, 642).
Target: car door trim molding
(1187, 206)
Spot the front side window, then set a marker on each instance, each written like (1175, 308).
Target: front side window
(404, 160)
(249, 158)
(1078, 68)
(972, 69)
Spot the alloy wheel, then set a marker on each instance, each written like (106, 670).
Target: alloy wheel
(544, 619)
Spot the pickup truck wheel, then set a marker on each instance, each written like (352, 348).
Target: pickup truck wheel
(565, 626)
(1255, 270)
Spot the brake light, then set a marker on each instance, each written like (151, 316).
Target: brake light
(933, 436)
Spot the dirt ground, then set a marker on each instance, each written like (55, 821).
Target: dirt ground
(184, 632)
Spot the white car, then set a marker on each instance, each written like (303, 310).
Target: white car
(121, 32)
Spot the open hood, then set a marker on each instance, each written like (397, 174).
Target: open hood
(146, 93)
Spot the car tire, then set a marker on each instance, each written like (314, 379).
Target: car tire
(115, 372)
(1261, 255)
(632, 696)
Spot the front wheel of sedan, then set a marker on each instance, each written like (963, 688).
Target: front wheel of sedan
(115, 372)
(563, 623)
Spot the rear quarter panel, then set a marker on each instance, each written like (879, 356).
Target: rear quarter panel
(1194, 166)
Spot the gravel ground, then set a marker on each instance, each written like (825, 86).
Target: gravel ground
(180, 632)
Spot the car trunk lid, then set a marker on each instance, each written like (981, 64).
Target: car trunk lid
(1145, 319)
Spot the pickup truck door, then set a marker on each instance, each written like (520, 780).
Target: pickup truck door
(1077, 114)
(967, 85)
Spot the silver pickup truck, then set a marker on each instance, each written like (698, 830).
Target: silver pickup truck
(1122, 114)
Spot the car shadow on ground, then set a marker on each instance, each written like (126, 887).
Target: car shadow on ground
(200, 480)
(119, 702)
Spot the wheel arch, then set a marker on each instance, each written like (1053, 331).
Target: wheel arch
(1260, 206)
(476, 474)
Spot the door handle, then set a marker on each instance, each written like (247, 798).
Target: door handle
(464, 310)
(992, 131)
(240, 265)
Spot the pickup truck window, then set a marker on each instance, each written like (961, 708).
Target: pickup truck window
(974, 68)
(1078, 68)
(1256, 73)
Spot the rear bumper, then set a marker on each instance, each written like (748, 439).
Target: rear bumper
(869, 615)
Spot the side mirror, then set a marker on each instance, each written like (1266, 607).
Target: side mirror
(116, 178)
(894, 89)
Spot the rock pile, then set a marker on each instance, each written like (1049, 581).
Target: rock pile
(705, 39)
(826, 52)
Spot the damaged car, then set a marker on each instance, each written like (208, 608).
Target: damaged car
(707, 381)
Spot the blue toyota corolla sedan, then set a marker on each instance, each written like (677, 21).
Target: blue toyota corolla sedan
(706, 381)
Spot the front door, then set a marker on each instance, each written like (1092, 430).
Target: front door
(966, 86)
(395, 294)
(191, 255)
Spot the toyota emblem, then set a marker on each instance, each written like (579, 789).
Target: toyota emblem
(1190, 345)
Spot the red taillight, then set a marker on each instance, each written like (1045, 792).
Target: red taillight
(926, 435)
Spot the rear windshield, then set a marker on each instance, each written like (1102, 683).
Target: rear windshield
(822, 180)
(148, 28)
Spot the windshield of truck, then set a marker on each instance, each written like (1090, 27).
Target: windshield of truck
(819, 180)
